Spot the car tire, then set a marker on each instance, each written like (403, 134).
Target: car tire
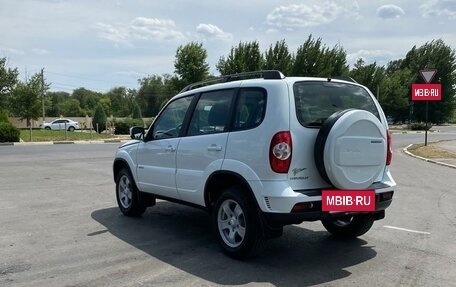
(127, 195)
(349, 226)
(71, 129)
(237, 224)
(47, 128)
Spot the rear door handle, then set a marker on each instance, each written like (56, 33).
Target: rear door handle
(214, 147)
(170, 148)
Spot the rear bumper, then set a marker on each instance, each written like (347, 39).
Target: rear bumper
(382, 201)
(280, 197)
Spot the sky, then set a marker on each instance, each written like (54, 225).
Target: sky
(103, 44)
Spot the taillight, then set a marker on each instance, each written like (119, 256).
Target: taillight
(389, 151)
(280, 152)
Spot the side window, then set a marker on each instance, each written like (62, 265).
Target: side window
(211, 113)
(169, 122)
(250, 108)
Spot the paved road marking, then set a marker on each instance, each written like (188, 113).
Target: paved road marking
(405, 229)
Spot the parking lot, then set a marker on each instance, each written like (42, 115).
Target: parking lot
(60, 226)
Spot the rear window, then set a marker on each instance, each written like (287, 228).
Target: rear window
(316, 101)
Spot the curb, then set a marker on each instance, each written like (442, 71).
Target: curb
(398, 132)
(61, 142)
(405, 150)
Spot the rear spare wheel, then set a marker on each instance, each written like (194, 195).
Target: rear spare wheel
(350, 149)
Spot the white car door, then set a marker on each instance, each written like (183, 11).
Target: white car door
(156, 156)
(202, 151)
(55, 125)
(157, 166)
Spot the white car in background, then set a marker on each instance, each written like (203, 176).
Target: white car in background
(61, 124)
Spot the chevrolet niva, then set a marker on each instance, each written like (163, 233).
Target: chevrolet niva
(257, 150)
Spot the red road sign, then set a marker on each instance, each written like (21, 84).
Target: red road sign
(428, 74)
(426, 92)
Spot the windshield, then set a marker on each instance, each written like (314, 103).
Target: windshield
(316, 101)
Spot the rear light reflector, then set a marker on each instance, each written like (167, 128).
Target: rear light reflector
(389, 151)
(386, 196)
(307, 206)
(280, 152)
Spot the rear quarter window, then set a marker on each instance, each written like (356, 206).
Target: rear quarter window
(250, 108)
(316, 101)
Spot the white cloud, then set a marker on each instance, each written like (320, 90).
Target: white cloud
(210, 31)
(9, 50)
(390, 11)
(272, 31)
(132, 74)
(309, 15)
(39, 51)
(111, 33)
(370, 56)
(436, 8)
(140, 28)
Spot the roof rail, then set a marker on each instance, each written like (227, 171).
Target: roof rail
(343, 78)
(265, 74)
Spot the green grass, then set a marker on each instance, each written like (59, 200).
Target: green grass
(46, 135)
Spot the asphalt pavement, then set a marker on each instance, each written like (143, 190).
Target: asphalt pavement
(60, 226)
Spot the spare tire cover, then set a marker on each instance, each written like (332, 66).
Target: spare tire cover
(350, 149)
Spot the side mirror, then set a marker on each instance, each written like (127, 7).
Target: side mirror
(137, 133)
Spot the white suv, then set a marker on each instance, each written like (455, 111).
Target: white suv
(256, 153)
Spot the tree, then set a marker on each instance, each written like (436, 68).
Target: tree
(55, 103)
(436, 55)
(246, 57)
(393, 66)
(190, 63)
(278, 58)
(154, 89)
(99, 119)
(370, 75)
(121, 103)
(394, 96)
(88, 99)
(106, 104)
(8, 80)
(71, 108)
(136, 114)
(25, 100)
(315, 59)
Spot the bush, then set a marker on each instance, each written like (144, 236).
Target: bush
(148, 122)
(8, 133)
(99, 117)
(123, 126)
(419, 126)
(3, 116)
